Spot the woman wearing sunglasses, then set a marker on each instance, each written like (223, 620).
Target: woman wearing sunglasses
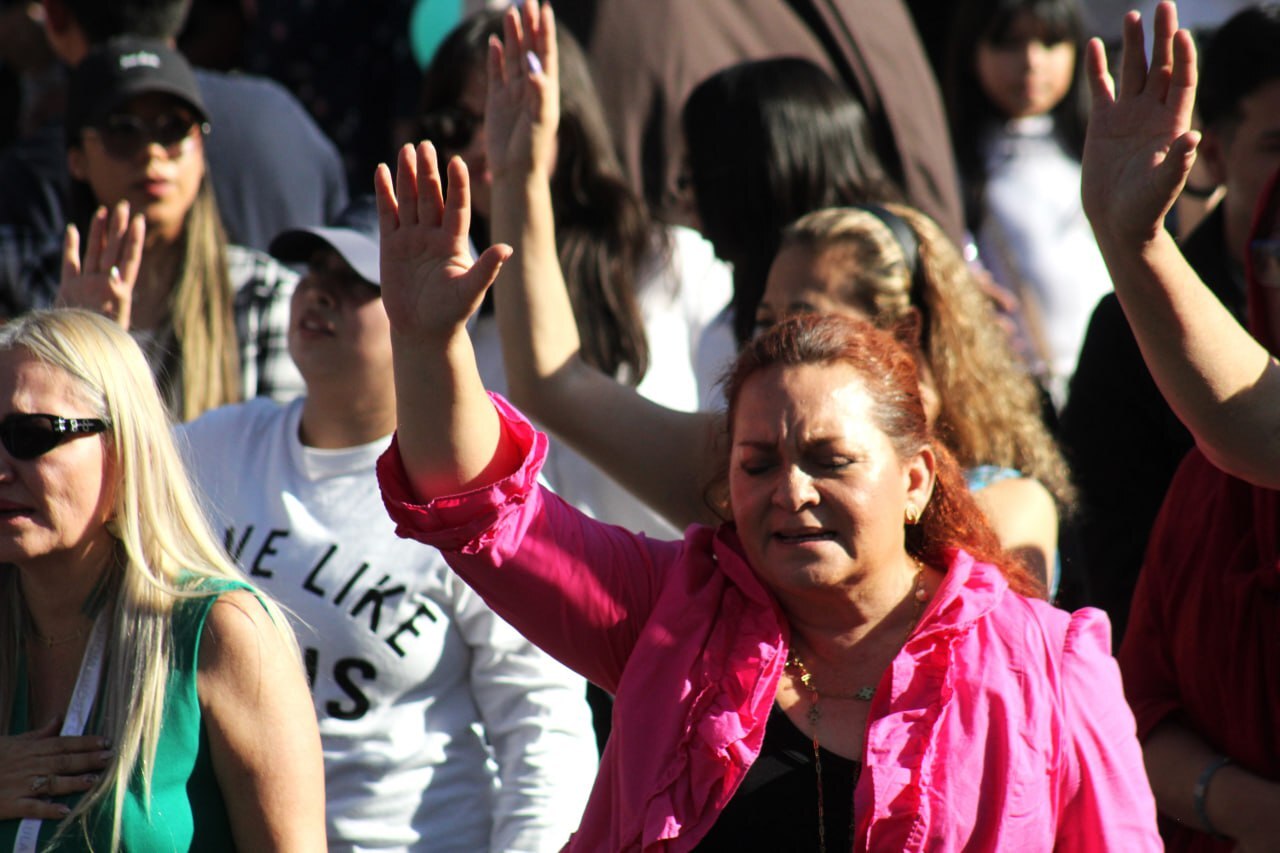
(211, 317)
(122, 617)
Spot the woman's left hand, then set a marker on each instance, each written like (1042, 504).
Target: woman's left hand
(522, 108)
(113, 255)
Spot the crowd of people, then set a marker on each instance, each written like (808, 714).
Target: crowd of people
(769, 425)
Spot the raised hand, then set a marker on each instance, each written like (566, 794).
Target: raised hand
(522, 109)
(430, 286)
(39, 764)
(113, 255)
(1139, 147)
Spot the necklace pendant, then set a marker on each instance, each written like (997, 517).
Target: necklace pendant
(865, 694)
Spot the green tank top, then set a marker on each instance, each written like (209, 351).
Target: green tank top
(187, 810)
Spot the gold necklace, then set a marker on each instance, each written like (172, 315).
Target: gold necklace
(814, 714)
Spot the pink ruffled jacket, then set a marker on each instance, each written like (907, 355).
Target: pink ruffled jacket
(1001, 725)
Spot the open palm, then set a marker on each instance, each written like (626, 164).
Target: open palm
(105, 279)
(1139, 147)
(430, 286)
(522, 108)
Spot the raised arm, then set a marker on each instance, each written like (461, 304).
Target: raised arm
(663, 456)
(1139, 149)
(448, 433)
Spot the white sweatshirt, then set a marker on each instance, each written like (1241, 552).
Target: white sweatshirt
(443, 729)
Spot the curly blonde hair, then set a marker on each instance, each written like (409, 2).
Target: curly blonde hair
(990, 407)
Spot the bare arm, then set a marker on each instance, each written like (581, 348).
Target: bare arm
(1222, 384)
(663, 456)
(1240, 804)
(448, 432)
(263, 736)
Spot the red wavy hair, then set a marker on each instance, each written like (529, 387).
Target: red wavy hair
(952, 519)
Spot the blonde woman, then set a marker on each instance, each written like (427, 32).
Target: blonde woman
(211, 317)
(121, 615)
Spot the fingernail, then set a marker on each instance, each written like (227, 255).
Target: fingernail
(535, 64)
(104, 743)
(115, 273)
(106, 755)
(63, 810)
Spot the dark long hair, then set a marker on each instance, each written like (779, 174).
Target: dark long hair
(603, 230)
(951, 519)
(768, 142)
(970, 111)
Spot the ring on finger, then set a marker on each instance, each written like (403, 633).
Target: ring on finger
(39, 783)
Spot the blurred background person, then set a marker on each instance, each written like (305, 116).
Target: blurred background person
(1017, 115)
(272, 166)
(768, 141)
(643, 295)
(649, 56)
(211, 316)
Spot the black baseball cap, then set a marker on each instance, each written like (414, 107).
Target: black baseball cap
(121, 68)
(353, 235)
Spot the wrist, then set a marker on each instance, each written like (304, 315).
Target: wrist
(1200, 794)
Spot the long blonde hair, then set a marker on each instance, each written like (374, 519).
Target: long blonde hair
(166, 551)
(990, 407)
(206, 350)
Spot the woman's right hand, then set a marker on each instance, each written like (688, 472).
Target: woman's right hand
(1139, 147)
(40, 764)
(113, 255)
(522, 108)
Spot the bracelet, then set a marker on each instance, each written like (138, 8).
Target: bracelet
(1202, 788)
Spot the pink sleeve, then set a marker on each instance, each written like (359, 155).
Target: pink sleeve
(1106, 799)
(578, 588)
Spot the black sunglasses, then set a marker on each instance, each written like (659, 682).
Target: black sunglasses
(30, 436)
(124, 135)
(450, 127)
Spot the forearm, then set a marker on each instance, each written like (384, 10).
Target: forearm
(664, 457)
(1220, 381)
(449, 436)
(1239, 803)
(540, 339)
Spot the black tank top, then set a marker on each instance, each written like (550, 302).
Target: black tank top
(776, 806)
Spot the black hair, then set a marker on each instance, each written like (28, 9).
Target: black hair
(970, 111)
(1240, 57)
(769, 141)
(603, 230)
(105, 19)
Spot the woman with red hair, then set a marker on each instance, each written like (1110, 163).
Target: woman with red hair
(849, 662)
